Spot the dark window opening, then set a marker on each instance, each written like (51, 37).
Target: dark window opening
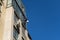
(0, 8)
(24, 25)
(16, 14)
(1, 1)
(29, 36)
(16, 31)
(0, 5)
(22, 38)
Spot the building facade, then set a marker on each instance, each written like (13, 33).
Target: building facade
(13, 21)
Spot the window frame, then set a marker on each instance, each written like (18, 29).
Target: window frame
(16, 30)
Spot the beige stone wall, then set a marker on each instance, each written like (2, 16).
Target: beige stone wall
(5, 21)
(26, 33)
(2, 20)
(8, 25)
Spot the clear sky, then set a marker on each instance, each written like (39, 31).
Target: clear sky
(44, 19)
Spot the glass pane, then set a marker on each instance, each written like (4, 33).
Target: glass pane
(19, 2)
(15, 33)
(17, 10)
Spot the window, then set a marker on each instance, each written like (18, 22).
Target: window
(16, 31)
(18, 28)
(24, 25)
(0, 5)
(22, 38)
(29, 36)
(1, 1)
(0, 8)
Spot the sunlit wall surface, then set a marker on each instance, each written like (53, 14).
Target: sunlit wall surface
(13, 20)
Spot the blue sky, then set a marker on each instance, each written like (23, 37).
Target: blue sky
(44, 19)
